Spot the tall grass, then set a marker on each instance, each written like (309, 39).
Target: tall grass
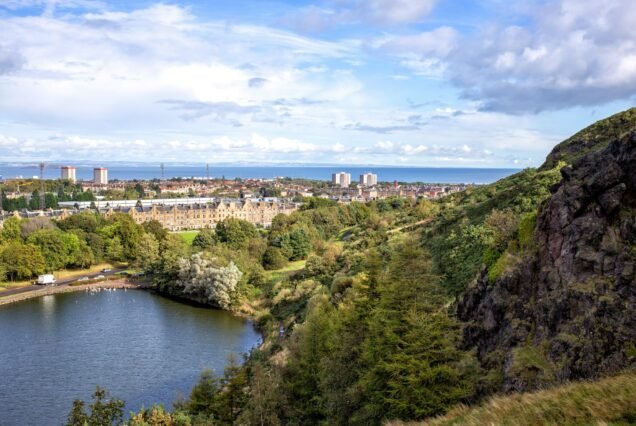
(610, 401)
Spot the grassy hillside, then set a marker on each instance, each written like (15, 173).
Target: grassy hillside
(473, 227)
(609, 401)
(465, 233)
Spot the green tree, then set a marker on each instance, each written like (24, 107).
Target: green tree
(232, 396)
(140, 190)
(77, 416)
(84, 256)
(263, 398)
(50, 201)
(202, 396)
(130, 234)
(273, 259)
(171, 250)
(205, 239)
(235, 232)
(411, 355)
(86, 221)
(299, 243)
(104, 411)
(343, 365)
(22, 261)
(148, 252)
(11, 229)
(310, 344)
(34, 202)
(114, 250)
(97, 246)
(52, 246)
(155, 228)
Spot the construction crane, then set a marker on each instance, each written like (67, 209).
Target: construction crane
(42, 206)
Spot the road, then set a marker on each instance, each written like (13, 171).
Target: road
(66, 281)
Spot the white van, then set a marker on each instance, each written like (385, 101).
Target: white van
(46, 279)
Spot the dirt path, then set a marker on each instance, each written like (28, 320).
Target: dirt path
(410, 225)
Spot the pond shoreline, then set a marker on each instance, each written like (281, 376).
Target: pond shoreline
(124, 283)
(66, 288)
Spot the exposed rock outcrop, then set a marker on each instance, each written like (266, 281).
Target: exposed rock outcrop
(567, 310)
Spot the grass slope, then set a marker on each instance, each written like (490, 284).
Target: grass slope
(188, 236)
(278, 274)
(610, 401)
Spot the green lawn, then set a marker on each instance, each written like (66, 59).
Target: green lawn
(188, 236)
(277, 274)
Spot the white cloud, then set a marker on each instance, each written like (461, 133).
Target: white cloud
(117, 66)
(393, 11)
(160, 83)
(574, 53)
(49, 6)
(568, 53)
(315, 18)
(438, 42)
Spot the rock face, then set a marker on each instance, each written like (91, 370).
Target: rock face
(567, 309)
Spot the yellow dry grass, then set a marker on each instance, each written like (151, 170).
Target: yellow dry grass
(610, 401)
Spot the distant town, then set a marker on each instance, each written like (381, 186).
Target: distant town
(194, 203)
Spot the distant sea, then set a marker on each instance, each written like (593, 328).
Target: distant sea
(386, 174)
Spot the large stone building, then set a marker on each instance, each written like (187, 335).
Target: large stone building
(196, 216)
(178, 217)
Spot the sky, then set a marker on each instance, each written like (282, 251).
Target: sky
(437, 83)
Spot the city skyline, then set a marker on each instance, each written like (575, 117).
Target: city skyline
(384, 82)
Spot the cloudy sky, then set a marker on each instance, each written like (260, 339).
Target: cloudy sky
(479, 83)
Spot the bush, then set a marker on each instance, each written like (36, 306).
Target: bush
(205, 239)
(273, 259)
(525, 235)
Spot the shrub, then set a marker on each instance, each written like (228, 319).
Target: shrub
(273, 259)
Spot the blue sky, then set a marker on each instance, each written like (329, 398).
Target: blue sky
(449, 83)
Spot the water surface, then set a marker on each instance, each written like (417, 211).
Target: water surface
(142, 347)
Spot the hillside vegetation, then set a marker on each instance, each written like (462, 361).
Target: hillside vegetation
(520, 285)
(608, 401)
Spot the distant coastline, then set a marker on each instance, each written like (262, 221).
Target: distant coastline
(314, 172)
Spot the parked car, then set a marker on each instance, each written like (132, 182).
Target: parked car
(100, 277)
(105, 270)
(82, 279)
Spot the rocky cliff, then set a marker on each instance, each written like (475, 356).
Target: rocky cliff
(566, 308)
